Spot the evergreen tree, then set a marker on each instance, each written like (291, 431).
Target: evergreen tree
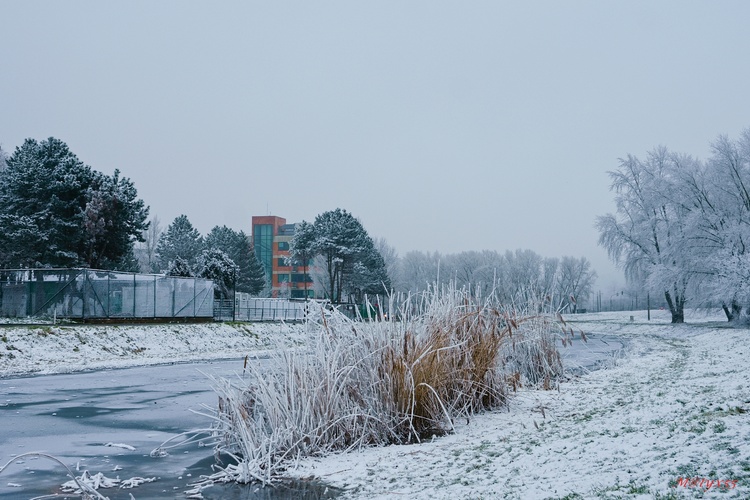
(255, 275)
(182, 240)
(58, 212)
(3, 159)
(370, 274)
(216, 265)
(351, 260)
(301, 248)
(179, 267)
(113, 219)
(251, 276)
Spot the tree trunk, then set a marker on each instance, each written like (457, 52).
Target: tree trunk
(732, 314)
(676, 307)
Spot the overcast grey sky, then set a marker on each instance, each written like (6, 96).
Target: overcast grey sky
(443, 126)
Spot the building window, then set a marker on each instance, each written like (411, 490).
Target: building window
(282, 278)
(301, 278)
(263, 243)
(281, 262)
(283, 245)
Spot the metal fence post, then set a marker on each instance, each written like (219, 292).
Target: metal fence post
(83, 305)
(135, 288)
(109, 276)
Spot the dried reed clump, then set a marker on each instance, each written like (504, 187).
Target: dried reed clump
(381, 382)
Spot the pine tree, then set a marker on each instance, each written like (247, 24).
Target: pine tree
(216, 265)
(255, 275)
(179, 267)
(3, 159)
(182, 240)
(113, 220)
(351, 260)
(251, 276)
(58, 212)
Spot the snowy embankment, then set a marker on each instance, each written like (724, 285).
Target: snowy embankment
(676, 406)
(70, 348)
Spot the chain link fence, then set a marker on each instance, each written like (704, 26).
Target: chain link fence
(94, 294)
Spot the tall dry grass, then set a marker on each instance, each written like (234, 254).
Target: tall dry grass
(449, 356)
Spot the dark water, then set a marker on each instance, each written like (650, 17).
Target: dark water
(73, 417)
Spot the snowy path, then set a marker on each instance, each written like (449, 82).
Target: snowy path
(677, 406)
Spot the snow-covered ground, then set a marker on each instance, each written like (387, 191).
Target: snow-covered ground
(71, 348)
(675, 406)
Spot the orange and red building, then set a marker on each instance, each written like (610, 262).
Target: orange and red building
(271, 236)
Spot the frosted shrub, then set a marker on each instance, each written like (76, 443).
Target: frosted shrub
(364, 383)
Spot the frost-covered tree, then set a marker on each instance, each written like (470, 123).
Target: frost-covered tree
(575, 280)
(216, 265)
(113, 220)
(180, 239)
(522, 280)
(648, 231)
(251, 275)
(179, 267)
(145, 250)
(392, 262)
(301, 248)
(55, 211)
(3, 159)
(369, 273)
(716, 195)
(419, 270)
(473, 270)
(350, 259)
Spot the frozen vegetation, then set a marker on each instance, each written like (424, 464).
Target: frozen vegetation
(668, 419)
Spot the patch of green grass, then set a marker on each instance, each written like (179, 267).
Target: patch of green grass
(632, 488)
(569, 496)
(698, 427)
(729, 411)
(43, 332)
(686, 470)
(725, 446)
(719, 427)
(669, 496)
(635, 489)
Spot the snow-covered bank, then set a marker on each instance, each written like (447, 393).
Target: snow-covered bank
(70, 348)
(677, 406)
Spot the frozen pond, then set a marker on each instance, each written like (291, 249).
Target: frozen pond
(74, 416)
(600, 350)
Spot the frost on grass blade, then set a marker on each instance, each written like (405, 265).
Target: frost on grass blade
(450, 355)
